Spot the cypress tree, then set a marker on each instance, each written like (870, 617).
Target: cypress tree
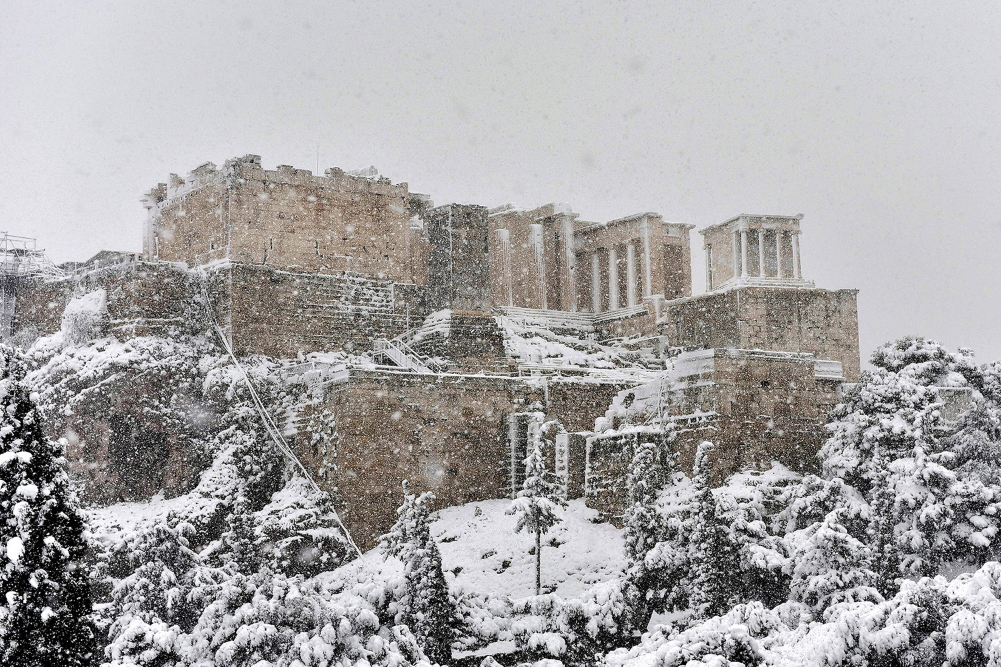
(426, 608)
(536, 504)
(643, 530)
(715, 553)
(45, 600)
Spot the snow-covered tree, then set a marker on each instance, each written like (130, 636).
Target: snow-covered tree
(927, 502)
(977, 441)
(643, 529)
(883, 417)
(426, 607)
(297, 532)
(536, 504)
(668, 563)
(715, 557)
(829, 566)
(715, 553)
(45, 601)
(239, 543)
(926, 362)
(152, 606)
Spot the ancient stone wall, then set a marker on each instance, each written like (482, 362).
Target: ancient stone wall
(143, 299)
(458, 265)
(642, 323)
(577, 403)
(281, 313)
(39, 305)
(820, 322)
(755, 407)
(768, 407)
(286, 218)
(445, 434)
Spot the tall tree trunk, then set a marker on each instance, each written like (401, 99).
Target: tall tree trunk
(538, 562)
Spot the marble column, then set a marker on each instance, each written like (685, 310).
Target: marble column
(743, 253)
(647, 266)
(761, 252)
(797, 273)
(613, 279)
(595, 282)
(778, 253)
(630, 274)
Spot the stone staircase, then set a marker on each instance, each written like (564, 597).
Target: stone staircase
(399, 352)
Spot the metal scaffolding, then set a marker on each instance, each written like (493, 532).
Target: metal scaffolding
(20, 258)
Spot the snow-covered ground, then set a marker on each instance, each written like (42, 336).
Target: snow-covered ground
(480, 550)
(479, 538)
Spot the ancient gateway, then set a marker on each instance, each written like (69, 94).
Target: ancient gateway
(474, 326)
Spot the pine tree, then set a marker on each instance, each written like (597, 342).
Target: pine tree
(714, 553)
(45, 601)
(886, 443)
(643, 529)
(426, 608)
(829, 566)
(536, 503)
(157, 591)
(977, 443)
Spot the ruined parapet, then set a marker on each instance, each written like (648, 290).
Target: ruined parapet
(142, 299)
(287, 218)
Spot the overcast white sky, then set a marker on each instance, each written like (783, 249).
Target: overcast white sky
(877, 120)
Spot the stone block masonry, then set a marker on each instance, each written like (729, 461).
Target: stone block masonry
(458, 265)
(444, 434)
(282, 313)
(285, 218)
(143, 299)
(816, 321)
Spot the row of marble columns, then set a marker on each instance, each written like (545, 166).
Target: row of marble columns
(611, 289)
(740, 252)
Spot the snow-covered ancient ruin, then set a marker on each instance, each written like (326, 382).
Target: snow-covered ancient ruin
(438, 336)
(622, 473)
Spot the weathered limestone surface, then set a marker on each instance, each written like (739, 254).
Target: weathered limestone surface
(285, 218)
(287, 262)
(281, 313)
(821, 322)
(446, 434)
(143, 299)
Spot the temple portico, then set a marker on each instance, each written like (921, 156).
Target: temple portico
(754, 250)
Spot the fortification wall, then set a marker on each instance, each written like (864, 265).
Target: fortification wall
(39, 305)
(755, 408)
(821, 322)
(281, 313)
(286, 218)
(143, 299)
(578, 403)
(445, 434)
